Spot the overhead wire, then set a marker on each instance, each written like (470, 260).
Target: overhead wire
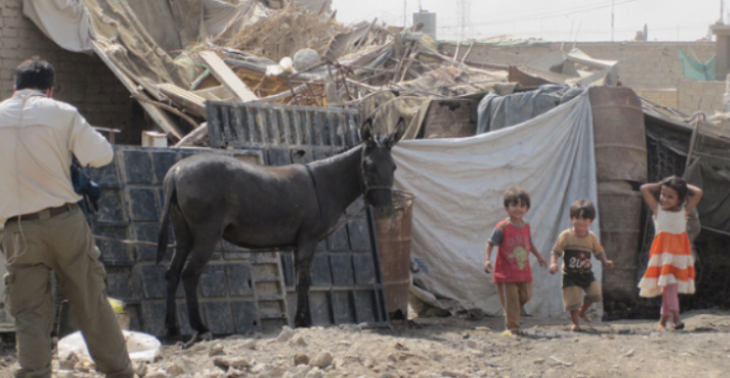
(550, 14)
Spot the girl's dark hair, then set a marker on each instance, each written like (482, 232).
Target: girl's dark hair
(515, 196)
(679, 186)
(583, 208)
(34, 73)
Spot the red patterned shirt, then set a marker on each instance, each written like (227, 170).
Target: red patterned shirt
(513, 254)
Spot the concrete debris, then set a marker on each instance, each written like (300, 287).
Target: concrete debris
(322, 360)
(231, 362)
(216, 350)
(301, 359)
(285, 335)
(298, 340)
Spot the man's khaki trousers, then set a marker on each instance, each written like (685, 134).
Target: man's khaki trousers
(64, 244)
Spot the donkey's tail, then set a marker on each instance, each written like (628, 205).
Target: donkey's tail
(170, 194)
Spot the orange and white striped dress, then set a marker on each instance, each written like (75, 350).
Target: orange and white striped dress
(670, 259)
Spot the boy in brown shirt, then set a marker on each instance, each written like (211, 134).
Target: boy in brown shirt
(576, 245)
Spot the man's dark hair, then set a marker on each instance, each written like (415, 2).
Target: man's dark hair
(679, 186)
(583, 208)
(516, 196)
(34, 73)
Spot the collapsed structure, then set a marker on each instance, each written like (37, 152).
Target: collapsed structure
(175, 59)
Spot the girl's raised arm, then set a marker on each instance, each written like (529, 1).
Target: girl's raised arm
(696, 197)
(647, 190)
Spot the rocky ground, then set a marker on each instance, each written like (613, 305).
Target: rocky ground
(450, 347)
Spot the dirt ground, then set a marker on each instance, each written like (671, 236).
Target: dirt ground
(452, 347)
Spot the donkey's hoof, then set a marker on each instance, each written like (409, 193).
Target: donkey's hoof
(173, 336)
(302, 323)
(206, 336)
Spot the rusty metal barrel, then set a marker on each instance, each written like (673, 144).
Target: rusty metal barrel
(619, 134)
(619, 209)
(394, 244)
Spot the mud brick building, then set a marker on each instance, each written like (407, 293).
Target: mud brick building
(81, 79)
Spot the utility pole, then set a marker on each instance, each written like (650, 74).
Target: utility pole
(464, 23)
(405, 13)
(612, 17)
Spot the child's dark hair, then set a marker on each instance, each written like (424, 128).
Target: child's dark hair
(679, 186)
(516, 195)
(583, 208)
(34, 73)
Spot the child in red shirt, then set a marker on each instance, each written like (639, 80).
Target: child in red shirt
(512, 272)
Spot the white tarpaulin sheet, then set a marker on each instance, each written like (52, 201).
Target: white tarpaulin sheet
(460, 183)
(66, 22)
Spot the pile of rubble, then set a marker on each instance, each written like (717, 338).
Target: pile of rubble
(292, 56)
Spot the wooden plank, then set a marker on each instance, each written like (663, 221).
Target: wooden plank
(189, 101)
(162, 119)
(218, 93)
(227, 77)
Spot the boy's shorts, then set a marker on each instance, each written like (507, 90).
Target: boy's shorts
(573, 295)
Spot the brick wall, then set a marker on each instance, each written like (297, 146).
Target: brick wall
(666, 97)
(81, 79)
(652, 69)
(642, 65)
(700, 95)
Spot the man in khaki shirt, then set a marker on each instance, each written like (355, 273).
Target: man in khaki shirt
(44, 228)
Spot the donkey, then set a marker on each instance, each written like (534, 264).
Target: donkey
(210, 197)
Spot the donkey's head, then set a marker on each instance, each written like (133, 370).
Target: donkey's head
(378, 167)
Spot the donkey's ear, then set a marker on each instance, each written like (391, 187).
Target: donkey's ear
(397, 133)
(366, 131)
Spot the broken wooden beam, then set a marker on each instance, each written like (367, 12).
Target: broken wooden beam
(185, 99)
(227, 77)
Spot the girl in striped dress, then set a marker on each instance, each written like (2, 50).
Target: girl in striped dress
(671, 266)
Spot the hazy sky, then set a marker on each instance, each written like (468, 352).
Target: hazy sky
(557, 20)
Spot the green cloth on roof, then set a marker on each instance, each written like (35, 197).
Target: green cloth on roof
(695, 70)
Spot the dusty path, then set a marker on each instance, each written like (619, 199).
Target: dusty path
(460, 348)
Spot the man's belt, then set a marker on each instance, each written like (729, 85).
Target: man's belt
(43, 214)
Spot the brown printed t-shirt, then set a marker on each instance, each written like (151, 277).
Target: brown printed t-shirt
(576, 252)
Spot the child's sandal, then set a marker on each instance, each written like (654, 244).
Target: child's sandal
(679, 326)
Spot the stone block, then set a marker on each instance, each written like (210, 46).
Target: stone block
(240, 280)
(338, 241)
(342, 271)
(320, 306)
(342, 307)
(245, 316)
(213, 281)
(219, 318)
(359, 234)
(321, 274)
(111, 208)
(143, 205)
(137, 167)
(154, 285)
(365, 301)
(364, 267)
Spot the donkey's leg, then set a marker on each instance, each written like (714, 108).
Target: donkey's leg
(202, 250)
(304, 257)
(182, 249)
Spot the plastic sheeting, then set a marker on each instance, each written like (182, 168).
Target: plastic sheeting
(66, 22)
(496, 112)
(459, 186)
(695, 70)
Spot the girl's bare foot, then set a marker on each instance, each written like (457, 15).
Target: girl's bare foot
(585, 317)
(575, 328)
(661, 327)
